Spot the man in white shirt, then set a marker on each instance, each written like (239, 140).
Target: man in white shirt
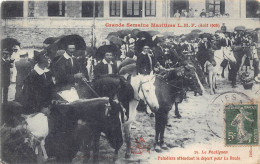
(66, 69)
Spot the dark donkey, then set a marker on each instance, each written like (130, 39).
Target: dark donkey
(170, 89)
(116, 88)
(80, 123)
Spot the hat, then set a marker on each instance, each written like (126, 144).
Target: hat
(50, 40)
(158, 40)
(130, 69)
(126, 62)
(141, 43)
(257, 78)
(38, 56)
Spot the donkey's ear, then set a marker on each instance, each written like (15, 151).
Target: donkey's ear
(35, 53)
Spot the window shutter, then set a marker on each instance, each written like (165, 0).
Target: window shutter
(12, 9)
(222, 6)
(207, 6)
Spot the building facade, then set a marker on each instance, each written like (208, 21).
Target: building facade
(32, 21)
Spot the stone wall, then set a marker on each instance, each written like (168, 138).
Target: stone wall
(34, 37)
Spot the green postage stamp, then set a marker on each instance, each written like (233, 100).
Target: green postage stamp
(241, 125)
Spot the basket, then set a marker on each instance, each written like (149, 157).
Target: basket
(248, 85)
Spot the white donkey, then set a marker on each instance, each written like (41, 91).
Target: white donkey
(213, 71)
(143, 89)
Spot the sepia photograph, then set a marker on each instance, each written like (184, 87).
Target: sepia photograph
(130, 82)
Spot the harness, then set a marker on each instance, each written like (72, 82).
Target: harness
(170, 83)
(174, 86)
(167, 83)
(32, 139)
(224, 55)
(91, 88)
(108, 105)
(141, 88)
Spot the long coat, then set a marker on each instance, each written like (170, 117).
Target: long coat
(64, 72)
(159, 55)
(143, 65)
(5, 73)
(5, 79)
(23, 69)
(204, 53)
(37, 91)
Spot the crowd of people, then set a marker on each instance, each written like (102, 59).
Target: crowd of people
(41, 79)
(194, 13)
(38, 80)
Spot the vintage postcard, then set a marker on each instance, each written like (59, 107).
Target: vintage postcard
(130, 81)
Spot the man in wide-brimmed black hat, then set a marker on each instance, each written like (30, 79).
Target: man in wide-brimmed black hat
(66, 69)
(145, 63)
(203, 52)
(225, 42)
(158, 51)
(107, 65)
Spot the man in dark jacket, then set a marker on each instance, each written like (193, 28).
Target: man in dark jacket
(158, 51)
(106, 66)
(23, 67)
(225, 42)
(5, 74)
(204, 51)
(145, 63)
(66, 69)
(186, 48)
(38, 86)
(223, 27)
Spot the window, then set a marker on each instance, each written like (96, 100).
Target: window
(150, 7)
(91, 7)
(252, 8)
(216, 6)
(12, 9)
(56, 8)
(114, 8)
(132, 8)
(178, 6)
(30, 8)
